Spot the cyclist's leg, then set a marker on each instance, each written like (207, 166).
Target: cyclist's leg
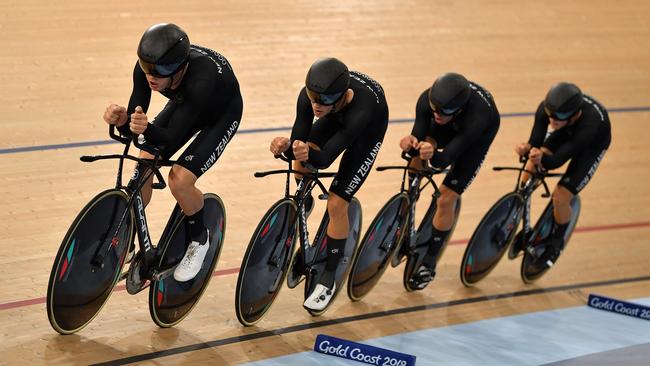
(561, 205)
(182, 184)
(581, 168)
(198, 158)
(461, 175)
(146, 190)
(337, 234)
(355, 165)
(442, 222)
(161, 120)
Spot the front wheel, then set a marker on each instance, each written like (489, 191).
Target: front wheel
(171, 301)
(266, 261)
(530, 269)
(78, 288)
(491, 238)
(317, 265)
(377, 246)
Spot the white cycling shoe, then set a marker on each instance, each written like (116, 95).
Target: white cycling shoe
(319, 298)
(191, 263)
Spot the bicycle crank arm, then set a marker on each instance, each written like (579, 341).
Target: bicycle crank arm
(159, 276)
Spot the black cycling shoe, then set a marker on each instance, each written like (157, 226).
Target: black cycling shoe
(550, 254)
(421, 278)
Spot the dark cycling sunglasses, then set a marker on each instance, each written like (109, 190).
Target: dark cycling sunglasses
(323, 99)
(443, 111)
(557, 115)
(162, 71)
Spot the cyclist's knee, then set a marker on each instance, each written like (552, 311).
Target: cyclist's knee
(561, 196)
(447, 199)
(180, 179)
(145, 155)
(297, 166)
(336, 206)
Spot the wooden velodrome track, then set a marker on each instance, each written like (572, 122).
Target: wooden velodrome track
(63, 62)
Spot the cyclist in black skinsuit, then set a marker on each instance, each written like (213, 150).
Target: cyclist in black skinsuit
(456, 121)
(581, 133)
(351, 118)
(204, 98)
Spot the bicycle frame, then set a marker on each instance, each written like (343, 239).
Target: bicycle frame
(414, 189)
(537, 179)
(305, 186)
(144, 170)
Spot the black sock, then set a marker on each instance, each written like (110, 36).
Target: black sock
(197, 229)
(335, 251)
(558, 232)
(438, 238)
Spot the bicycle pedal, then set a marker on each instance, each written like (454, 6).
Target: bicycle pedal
(134, 287)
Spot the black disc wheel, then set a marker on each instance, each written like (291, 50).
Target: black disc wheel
(266, 261)
(419, 247)
(89, 262)
(531, 269)
(317, 266)
(377, 246)
(171, 301)
(491, 238)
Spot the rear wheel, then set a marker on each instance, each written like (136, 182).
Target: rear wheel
(491, 238)
(171, 301)
(419, 249)
(318, 266)
(78, 289)
(530, 269)
(377, 247)
(266, 262)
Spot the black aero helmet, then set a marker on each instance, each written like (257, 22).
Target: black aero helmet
(164, 48)
(327, 80)
(449, 93)
(563, 101)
